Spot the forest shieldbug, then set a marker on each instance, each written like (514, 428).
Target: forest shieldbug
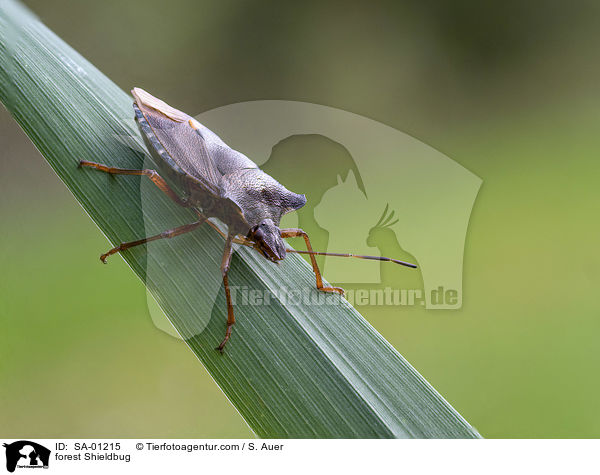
(215, 181)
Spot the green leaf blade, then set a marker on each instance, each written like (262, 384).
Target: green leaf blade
(290, 370)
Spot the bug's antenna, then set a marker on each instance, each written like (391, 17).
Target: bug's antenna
(373, 258)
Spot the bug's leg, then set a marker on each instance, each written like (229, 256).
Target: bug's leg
(212, 225)
(152, 174)
(241, 240)
(224, 270)
(157, 180)
(244, 242)
(293, 232)
(170, 233)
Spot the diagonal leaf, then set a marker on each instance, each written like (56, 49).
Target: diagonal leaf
(290, 370)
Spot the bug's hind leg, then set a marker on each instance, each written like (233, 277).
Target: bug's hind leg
(224, 270)
(152, 174)
(294, 232)
(170, 233)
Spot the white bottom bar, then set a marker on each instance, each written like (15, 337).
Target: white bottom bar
(463, 457)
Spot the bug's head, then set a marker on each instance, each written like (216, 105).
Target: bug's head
(267, 237)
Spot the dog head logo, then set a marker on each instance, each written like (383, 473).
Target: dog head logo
(24, 453)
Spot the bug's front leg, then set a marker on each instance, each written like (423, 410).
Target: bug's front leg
(295, 232)
(224, 270)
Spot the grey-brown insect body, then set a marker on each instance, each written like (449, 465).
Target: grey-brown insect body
(220, 181)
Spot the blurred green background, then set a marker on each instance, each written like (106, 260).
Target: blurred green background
(509, 90)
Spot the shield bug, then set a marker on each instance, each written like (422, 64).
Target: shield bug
(215, 181)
